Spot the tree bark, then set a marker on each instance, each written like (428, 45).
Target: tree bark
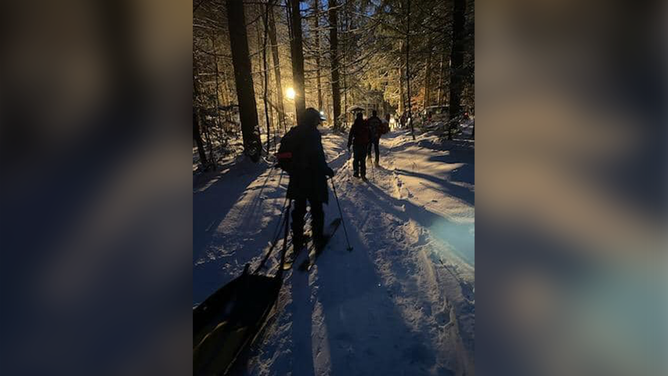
(206, 163)
(265, 87)
(333, 51)
(198, 141)
(316, 25)
(457, 58)
(297, 58)
(402, 104)
(401, 91)
(243, 79)
(441, 81)
(408, 65)
(218, 121)
(344, 59)
(427, 77)
(277, 68)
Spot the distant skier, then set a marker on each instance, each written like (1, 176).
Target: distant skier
(375, 125)
(359, 138)
(302, 155)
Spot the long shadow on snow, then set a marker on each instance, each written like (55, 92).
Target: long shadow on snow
(457, 235)
(353, 300)
(464, 173)
(212, 205)
(455, 154)
(462, 193)
(210, 208)
(248, 212)
(302, 313)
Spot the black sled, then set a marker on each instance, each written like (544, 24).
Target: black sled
(228, 321)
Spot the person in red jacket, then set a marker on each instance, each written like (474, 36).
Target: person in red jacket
(359, 138)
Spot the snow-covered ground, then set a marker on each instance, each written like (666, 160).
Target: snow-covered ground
(400, 303)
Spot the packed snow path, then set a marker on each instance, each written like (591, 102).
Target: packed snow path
(400, 303)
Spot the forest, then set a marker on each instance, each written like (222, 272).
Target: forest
(258, 64)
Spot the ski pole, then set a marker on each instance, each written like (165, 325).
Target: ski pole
(341, 214)
(373, 172)
(279, 274)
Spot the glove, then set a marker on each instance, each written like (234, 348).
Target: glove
(329, 172)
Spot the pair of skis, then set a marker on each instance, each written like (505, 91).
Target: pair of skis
(313, 251)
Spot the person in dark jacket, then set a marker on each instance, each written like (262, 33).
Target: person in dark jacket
(359, 138)
(375, 127)
(308, 179)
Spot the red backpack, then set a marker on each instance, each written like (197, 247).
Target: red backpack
(284, 157)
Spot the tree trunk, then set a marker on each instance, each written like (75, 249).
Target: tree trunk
(441, 81)
(277, 68)
(297, 58)
(207, 163)
(427, 77)
(218, 121)
(408, 65)
(457, 58)
(345, 62)
(243, 79)
(333, 51)
(198, 141)
(402, 104)
(316, 25)
(265, 87)
(401, 91)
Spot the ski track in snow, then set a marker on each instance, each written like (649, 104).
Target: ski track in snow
(400, 303)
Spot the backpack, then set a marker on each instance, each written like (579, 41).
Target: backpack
(384, 128)
(361, 132)
(374, 126)
(284, 156)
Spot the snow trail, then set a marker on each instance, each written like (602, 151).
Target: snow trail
(400, 303)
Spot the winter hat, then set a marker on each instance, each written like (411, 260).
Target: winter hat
(313, 116)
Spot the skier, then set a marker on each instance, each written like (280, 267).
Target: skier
(308, 177)
(359, 138)
(375, 127)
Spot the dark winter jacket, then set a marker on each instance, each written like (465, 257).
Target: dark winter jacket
(309, 170)
(359, 133)
(375, 126)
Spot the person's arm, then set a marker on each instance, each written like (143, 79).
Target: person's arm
(321, 161)
(350, 135)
